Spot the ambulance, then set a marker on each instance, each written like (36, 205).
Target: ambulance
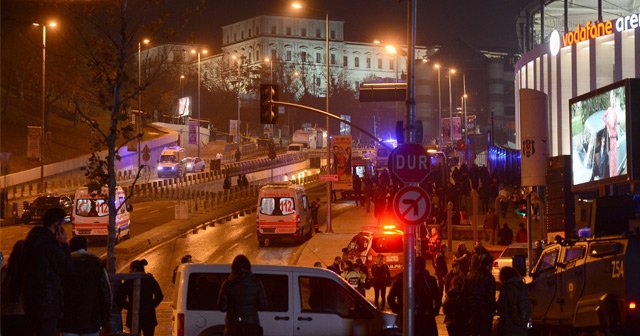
(283, 212)
(90, 216)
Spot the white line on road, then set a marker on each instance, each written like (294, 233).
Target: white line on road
(247, 236)
(153, 211)
(233, 246)
(142, 208)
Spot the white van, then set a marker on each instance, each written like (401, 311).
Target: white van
(295, 148)
(90, 216)
(300, 301)
(283, 211)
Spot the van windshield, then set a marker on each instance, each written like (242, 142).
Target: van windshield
(286, 206)
(168, 158)
(86, 207)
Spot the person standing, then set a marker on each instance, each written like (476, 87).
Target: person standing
(47, 261)
(364, 270)
(480, 293)
(367, 183)
(380, 278)
(313, 209)
(505, 235)
(456, 316)
(336, 267)
(13, 321)
(237, 155)
(150, 297)
(440, 266)
(241, 296)
(186, 259)
(226, 184)
(514, 305)
(353, 276)
(434, 242)
(521, 235)
(87, 295)
(463, 258)
(490, 226)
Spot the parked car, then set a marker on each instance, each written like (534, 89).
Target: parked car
(34, 211)
(506, 258)
(193, 164)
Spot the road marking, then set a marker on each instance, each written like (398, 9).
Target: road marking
(233, 246)
(247, 236)
(142, 208)
(153, 211)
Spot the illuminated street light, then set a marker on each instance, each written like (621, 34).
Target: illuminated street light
(138, 116)
(44, 67)
(199, 52)
(268, 60)
(451, 72)
(298, 6)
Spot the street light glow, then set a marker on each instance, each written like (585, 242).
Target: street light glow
(146, 41)
(267, 59)
(452, 71)
(296, 5)
(391, 49)
(437, 66)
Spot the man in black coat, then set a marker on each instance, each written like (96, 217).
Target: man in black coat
(87, 296)
(241, 296)
(46, 261)
(480, 293)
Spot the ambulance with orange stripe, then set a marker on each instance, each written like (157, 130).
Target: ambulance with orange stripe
(283, 212)
(90, 216)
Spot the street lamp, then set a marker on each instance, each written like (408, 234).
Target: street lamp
(437, 66)
(44, 66)
(451, 72)
(238, 64)
(298, 5)
(268, 60)
(393, 51)
(181, 86)
(138, 115)
(202, 51)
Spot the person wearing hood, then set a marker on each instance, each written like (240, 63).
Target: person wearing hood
(47, 261)
(241, 296)
(87, 295)
(150, 297)
(513, 306)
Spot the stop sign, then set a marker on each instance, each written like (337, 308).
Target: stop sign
(410, 163)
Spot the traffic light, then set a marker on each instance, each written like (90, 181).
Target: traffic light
(268, 112)
(461, 145)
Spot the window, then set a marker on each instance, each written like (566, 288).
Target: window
(204, 288)
(257, 54)
(286, 206)
(573, 253)
(303, 31)
(227, 39)
(249, 32)
(379, 63)
(273, 30)
(235, 37)
(288, 55)
(91, 207)
(317, 81)
(345, 61)
(320, 295)
(257, 30)
(333, 59)
(547, 261)
(387, 244)
(274, 54)
(305, 202)
(318, 33)
(333, 34)
(303, 56)
(318, 57)
(288, 30)
(368, 63)
(391, 65)
(242, 35)
(356, 62)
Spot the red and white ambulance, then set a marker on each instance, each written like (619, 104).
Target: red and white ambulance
(90, 215)
(283, 211)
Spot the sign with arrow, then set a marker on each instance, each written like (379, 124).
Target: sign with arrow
(411, 205)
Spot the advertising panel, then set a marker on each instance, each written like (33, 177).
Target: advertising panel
(600, 135)
(233, 128)
(342, 162)
(33, 142)
(446, 129)
(533, 132)
(193, 132)
(184, 106)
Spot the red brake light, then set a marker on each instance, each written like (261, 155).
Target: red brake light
(180, 326)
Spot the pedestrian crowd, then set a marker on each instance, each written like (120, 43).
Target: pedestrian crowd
(51, 285)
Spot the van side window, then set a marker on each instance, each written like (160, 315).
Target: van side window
(321, 295)
(305, 202)
(203, 290)
(547, 261)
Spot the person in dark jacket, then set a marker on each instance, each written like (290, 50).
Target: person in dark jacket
(440, 266)
(380, 279)
(47, 261)
(150, 297)
(13, 322)
(336, 267)
(241, 296)
(480, 294)
(456, 316)
(513, 306)
(87, 296)
(463, 258)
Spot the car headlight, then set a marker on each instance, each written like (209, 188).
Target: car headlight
(159, 168)
(173, 168)
(189, 165)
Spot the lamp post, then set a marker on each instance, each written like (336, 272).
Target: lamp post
(270, 61)
(451, 72)
(181, 86)
(138, 115)
(437, 66)
(297, 5)
(194, 51)
(44, 67)
(238, 63)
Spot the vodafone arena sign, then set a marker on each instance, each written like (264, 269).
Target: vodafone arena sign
(410, 163)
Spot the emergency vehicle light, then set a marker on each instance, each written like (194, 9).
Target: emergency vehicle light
(632, 305)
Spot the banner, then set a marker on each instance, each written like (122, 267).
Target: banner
(457, 129)
(471, 124)
(533, 130)
(184, 106)
(33, 142)
(342, 162)
(193, 132)
(233, 128)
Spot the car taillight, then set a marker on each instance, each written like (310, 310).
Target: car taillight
(180, 325)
